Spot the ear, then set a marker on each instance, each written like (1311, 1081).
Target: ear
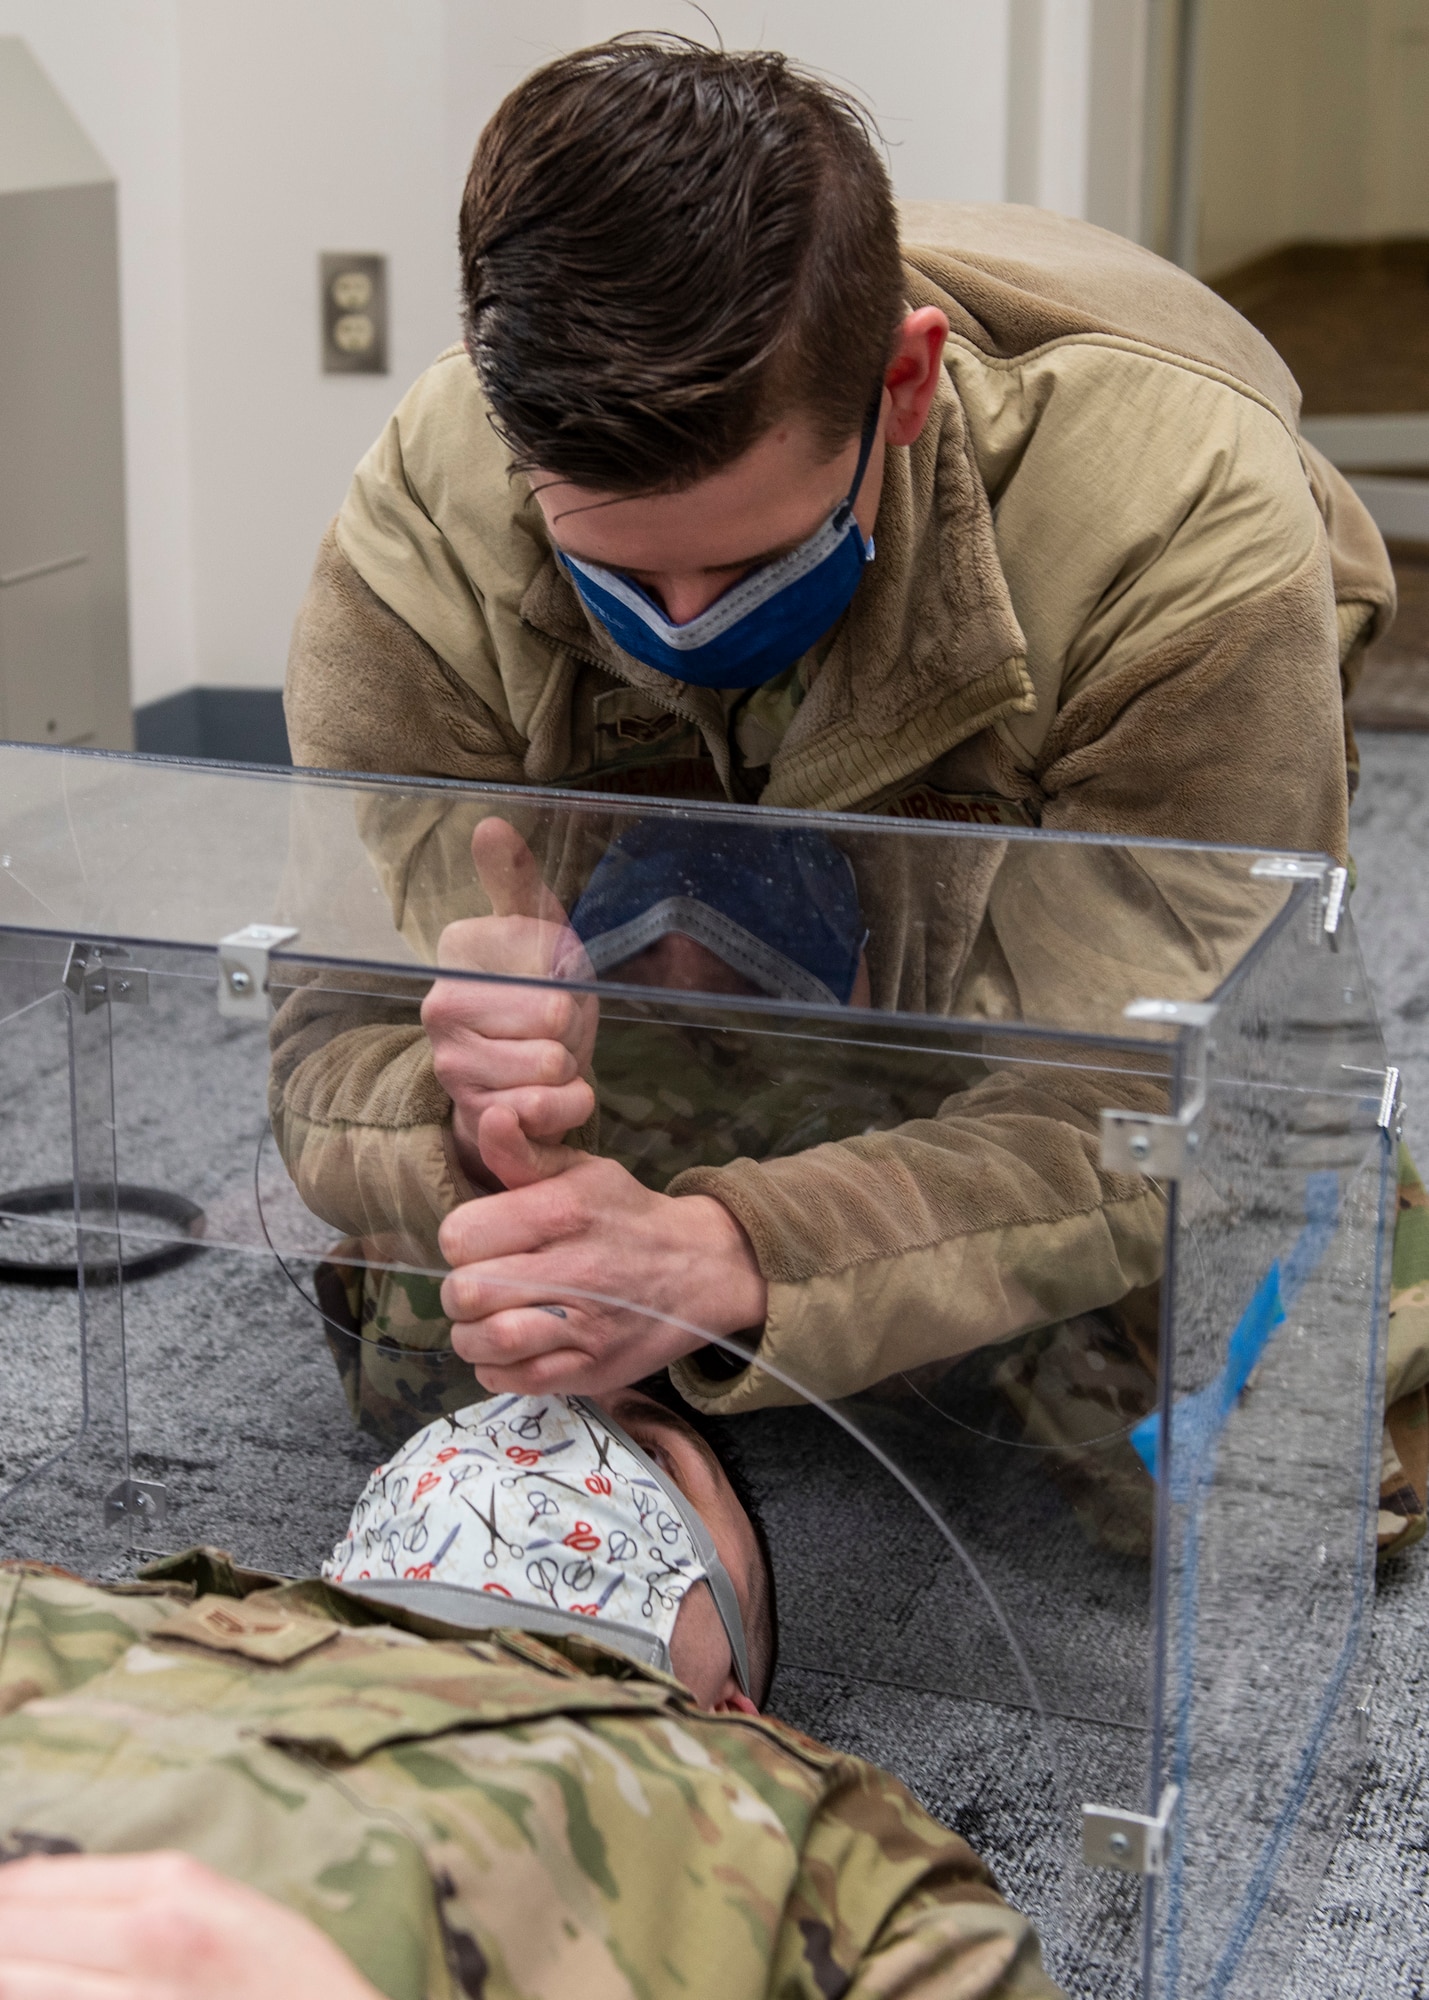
(733, 1701)
(912, 378)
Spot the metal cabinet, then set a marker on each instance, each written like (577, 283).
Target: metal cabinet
(64, 645)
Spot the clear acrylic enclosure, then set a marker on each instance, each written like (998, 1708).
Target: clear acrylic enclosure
(1068, 1162)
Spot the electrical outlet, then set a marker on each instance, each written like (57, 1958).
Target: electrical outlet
(353, 306)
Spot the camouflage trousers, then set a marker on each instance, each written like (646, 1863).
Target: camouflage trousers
(488, 1818)
(1404, 1481)
(391, 1342)
(1076, 1385)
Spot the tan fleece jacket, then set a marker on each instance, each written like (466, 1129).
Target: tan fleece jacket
(1114, 592)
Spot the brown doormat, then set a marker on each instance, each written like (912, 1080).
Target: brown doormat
(1393, 692)
(1350, 319)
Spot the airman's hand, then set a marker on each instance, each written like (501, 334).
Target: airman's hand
(157, 1927)
(498, 1042)
(665, 1271)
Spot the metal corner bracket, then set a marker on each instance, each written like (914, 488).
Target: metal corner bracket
(1155, 1143)
(99, 973)
(1390, 1116)
(243, 969)
(1333, 881)
(1136, 1843)
(136, 1500)
(1362, 1715)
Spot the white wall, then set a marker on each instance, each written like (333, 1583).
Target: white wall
(1047, 131)
(248, 135)
(117, 66)
(933, 70)
(299, 135)
(1314, 124)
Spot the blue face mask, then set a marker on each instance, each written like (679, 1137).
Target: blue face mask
(760, 625)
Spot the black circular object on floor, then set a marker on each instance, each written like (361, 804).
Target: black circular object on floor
(57, 1198)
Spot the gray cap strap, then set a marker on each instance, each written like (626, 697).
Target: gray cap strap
(716, 1575)
(474, 1611)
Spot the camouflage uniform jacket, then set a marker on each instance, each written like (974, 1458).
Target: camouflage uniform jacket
(487, 1818)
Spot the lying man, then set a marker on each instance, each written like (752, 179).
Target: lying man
(362, 1797)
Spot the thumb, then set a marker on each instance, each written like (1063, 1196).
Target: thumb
(514, 1159)
(507, 871)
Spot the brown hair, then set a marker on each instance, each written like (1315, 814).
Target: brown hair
(665, 248)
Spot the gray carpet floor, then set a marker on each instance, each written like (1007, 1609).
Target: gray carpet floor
(1369, 1938)
(889, 1646)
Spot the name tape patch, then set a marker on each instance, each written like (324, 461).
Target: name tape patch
(268, 1633)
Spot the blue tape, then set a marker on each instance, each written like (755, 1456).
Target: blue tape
(1198, 1419)
(1193, 1465)
(1258, 1891)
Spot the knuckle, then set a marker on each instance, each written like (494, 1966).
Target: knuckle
(173, 1873)
(507, 1381)
(453, 1007)
(437, 1006)
(500, 1345)
(445, 1067)
(553, 1065)
(453, 1238)
(541, 1109)
(557, 1015)
(168, 1933)
(457, 939)
(459, 1297)
(511, 1344)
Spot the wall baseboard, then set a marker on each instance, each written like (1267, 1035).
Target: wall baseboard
(1395, 442)
(1400, 507)
(233, 725)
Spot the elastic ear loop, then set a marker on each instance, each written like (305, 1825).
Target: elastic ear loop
(716, 1575)
(865, 449)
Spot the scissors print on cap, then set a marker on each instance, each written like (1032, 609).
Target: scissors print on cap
(542, 1501)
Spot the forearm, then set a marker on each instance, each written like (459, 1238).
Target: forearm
(360, 1120)
(889, 1251)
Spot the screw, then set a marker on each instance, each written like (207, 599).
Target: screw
(1119, 1844)
(1139, 1146)
(238, 980)
(121, 987)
